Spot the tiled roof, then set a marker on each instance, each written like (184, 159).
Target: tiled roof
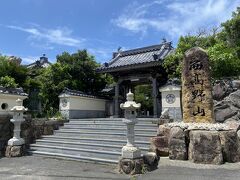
(79, 93)
(42, 63)
(75, 93)
(13, 91)
(146, 56)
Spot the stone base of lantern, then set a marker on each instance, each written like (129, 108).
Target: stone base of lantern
(15, 151)
(131, 166)
(148, 162)
(131, 152)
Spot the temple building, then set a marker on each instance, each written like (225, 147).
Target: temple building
(41, 63)
(34, 102)
(135, 67)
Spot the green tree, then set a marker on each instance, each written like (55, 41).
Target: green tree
(230, 32)
(8, 82)
(143, 95)
(224, 61)
(13, 69)
(222, 47)
(74, 71)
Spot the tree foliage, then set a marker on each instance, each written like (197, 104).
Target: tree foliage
(143, 95)
(11, 69)
(222, 47)
(74, 71)
(8, 82)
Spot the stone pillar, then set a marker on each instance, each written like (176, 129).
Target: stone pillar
(116, 100)
(197, 99)
(154, 94)
(171, 101)
(15, 146)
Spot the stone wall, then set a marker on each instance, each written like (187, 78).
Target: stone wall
(31, 130)
(226, 95)
(199, 143)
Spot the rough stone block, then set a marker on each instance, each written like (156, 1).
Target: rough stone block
(48, 130)
(131, 166)
(39, 121)
(177, 133)
(163, 131)
(159, 145)
(238, 134)
(151, 160)
(230, 146)
(221, 114)
(205, 147)
(15, 151)
(177, 144)
(38, 132)
(235, 98)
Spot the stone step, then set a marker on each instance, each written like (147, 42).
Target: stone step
(113, 155)
(73, 157)
(88, 145)
(112, 120)
(99, 135)
(115, 119)
(93, 140)
(92, 132)
(92, 123)
(112, 129)
(144, 132)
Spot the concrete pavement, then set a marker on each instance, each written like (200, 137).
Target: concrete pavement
(44, 168)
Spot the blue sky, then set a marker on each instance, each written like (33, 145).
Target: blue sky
(29, 28)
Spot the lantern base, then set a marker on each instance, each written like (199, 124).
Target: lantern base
(131, 152)
(15, 151)
(131, 166)
(15, 141)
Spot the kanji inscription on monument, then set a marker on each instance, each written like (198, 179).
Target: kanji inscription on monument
(196, 87)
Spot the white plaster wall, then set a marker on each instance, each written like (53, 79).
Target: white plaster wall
(177, 102)
(10, 100)
(82, 103)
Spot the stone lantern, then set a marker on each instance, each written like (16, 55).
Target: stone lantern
(17, 119)
(130, 151)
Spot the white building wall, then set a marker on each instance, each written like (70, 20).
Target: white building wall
(8, 101)
(85, 103)
(82, 107)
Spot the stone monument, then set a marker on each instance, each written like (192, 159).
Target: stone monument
(15, 146)
(198, 138)
(196, 87)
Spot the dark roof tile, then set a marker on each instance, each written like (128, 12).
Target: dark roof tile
(13, 91)
(146, 55)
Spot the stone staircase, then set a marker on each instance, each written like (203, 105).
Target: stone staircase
(97, 140)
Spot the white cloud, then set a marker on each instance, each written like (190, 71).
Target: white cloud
(25, 59)
(175, 17)
(102, 54)
(29, 59)
(60, 36)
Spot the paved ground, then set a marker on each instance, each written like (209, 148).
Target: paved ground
(42, 168)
